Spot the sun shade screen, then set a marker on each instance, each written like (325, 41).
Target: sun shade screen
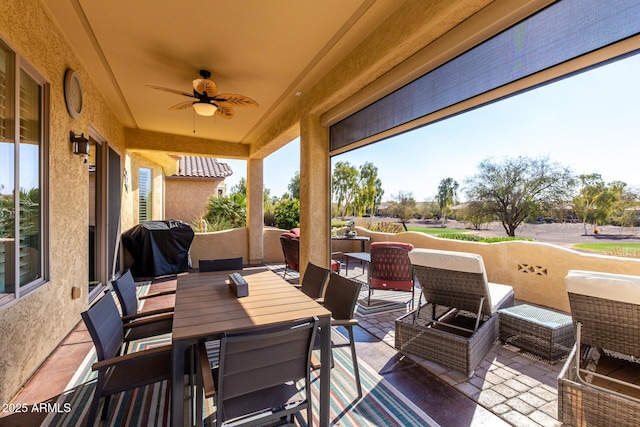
(561, 32)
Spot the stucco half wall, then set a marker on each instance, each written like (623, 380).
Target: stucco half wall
(234, 243)
(535, 270)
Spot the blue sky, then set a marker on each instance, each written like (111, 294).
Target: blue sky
(589, 122)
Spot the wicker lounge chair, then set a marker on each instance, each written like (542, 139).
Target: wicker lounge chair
(606, 314)
(458, 323)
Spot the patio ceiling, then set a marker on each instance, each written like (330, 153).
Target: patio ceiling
(267, 50)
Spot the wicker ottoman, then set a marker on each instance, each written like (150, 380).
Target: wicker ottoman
(543, 332)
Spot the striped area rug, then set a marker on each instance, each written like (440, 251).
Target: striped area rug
(382, 404)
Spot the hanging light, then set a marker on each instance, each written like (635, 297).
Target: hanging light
(204, 108)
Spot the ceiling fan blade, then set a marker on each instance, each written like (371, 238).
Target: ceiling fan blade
(235, 99)
(176, 91)
(182, 106)
(225, 111)
(204, 85)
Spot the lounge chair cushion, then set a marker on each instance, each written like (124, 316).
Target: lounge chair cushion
(616, 287)
(496, 294)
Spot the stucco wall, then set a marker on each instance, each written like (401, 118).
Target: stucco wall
(33, 326)
(535, 270)
(234, 243)
(186, 199)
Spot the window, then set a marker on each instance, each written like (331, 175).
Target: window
(144, 201)
(22, 190)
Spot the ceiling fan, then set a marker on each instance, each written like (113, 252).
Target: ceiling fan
(208, 101)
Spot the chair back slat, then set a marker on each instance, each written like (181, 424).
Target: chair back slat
(265, 357)
(224, 264)
(104, 324)
(341, 297)
(314, 280)
(125, 289)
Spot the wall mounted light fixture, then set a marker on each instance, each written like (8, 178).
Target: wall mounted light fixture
(81, 145)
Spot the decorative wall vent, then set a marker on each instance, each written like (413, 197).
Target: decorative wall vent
(532, 269)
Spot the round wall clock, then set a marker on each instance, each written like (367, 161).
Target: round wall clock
(73, 94)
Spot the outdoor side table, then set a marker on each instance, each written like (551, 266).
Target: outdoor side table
(541, 331)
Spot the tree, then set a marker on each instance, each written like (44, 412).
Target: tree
(344, 183)
(596, 200)
(294, 186)
(240, 187)
(403, 207)
(519, 187)
(474, 213)
(447, 193)
(370, 190)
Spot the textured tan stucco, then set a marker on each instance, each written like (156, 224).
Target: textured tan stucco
(186, 199)
(535, 270)
(232, 243)
(32, 327)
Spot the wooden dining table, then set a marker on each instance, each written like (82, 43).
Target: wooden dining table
(206, 307)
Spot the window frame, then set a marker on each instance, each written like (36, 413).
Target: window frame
(149, 194)
(21, 64)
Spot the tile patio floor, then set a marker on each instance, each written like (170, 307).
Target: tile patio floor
(508, 388)
(517, 387)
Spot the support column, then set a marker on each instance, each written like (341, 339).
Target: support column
(315, 197)
(255, 210)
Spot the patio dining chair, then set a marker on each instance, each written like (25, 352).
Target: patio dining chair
(340, 299)
(255, 380)
(390, 268)
(313, 281)
(147, 323)
(119, 373)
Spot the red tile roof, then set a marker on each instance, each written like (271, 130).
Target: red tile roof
(202, 167)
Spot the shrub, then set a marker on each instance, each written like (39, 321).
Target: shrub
(385, 226)
(230, 210)
(287, 213)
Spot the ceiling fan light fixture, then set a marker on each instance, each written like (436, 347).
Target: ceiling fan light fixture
(204, 108)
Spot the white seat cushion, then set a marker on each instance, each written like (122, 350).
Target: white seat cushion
(499, 295)
(447, 260)
(616, 287)
(464, 262)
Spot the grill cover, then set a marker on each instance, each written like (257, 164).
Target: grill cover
(159, 247)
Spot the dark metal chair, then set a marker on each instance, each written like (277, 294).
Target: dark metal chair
(390, 268)
(340, 298)
(225, 264)
(314, 281)
(119, 373)
(148, 323)
(254, 383)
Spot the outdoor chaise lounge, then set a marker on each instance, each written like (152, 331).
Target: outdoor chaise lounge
(458, 323)
(599, 383)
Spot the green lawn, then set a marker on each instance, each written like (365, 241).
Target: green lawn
(618, 249)
(438, 230)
